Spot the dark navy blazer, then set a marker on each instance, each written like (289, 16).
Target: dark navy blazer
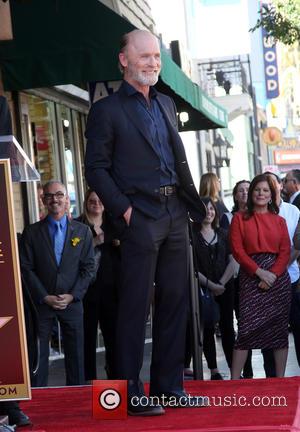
(39, 267)
(122, 165)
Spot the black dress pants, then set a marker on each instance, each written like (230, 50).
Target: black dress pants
(100, 307)
(99, 304)
(226, 304)
(108, 315)
(71, 321)
(154, 250)
(90, 324)
(209, 347)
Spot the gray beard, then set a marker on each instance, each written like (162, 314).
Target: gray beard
(147, 81)
(143, 80)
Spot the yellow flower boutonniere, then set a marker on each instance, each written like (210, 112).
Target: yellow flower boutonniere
(75, 241)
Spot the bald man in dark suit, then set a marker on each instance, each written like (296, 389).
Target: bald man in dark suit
(57, 262)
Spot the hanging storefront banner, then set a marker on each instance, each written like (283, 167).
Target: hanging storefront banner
(14, 372)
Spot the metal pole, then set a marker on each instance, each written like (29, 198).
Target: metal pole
(197, 332)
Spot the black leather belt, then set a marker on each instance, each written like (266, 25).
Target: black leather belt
(167, 190)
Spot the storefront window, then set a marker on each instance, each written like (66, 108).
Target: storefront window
(53, 134)
(41, 114)
(79, 128)
(67, 137)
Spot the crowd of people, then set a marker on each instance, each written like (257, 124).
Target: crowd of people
(129, 249)
(247, 261)
(263, 239)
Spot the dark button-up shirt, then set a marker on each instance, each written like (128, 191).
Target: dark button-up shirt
(154, 121)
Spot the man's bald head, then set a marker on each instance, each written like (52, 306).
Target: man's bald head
(133, 37)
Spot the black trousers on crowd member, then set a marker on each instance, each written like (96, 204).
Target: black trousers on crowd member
(153, 250)
(209, 347)
(188, 345)
(269, 361)
(108, 314)
(100, 307)
(226, 305)
(91, 319)
(71, 321)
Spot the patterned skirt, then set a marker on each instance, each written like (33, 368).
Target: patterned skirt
(264, 315)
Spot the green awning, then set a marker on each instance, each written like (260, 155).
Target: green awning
(77, 41)
(190, 98)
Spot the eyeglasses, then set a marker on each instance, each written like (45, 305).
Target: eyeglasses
(57, 195)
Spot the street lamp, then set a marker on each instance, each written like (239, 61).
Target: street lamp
(229, 152)
(223, 150)
(183, 117)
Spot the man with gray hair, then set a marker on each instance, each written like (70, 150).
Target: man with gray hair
(292, 186)
(136, 163)
(57, 262)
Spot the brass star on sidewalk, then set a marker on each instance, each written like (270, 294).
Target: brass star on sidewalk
(4, 320)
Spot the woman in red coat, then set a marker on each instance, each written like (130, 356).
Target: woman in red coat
(260, 244)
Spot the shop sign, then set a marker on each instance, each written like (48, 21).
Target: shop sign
(100, 89)
(287, 157)
(270, 66)
(14, 372)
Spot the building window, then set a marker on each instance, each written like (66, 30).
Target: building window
(42, 122)
(209, 165)
(53, 134)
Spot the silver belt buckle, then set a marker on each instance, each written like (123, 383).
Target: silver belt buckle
(169, 190)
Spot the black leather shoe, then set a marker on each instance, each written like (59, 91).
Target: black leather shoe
(216, 376)
(141, 406)
(18, 418)
(180, 399)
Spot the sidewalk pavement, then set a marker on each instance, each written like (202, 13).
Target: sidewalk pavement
(57, 374)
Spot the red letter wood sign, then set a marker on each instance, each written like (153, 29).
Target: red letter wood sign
(14, 374)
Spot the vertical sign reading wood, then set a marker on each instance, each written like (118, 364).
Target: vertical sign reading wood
(14, 372)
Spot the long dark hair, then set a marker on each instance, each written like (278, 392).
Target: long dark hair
(272, 206)
(215, 223)
(235, 207)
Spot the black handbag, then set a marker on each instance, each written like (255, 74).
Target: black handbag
(210, 312)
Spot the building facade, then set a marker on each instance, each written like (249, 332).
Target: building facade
(47, 79)
(50, 122)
